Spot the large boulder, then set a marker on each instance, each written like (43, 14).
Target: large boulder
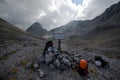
(57, 63)
(48, 58)
(66, 62)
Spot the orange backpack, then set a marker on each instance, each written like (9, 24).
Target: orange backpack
(83, 64)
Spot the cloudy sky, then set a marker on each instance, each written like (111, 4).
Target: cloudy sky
(51, 13)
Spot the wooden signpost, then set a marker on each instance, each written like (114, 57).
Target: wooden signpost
(59, 37)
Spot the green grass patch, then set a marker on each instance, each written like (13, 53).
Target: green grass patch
(13, 78)
(74, 72)
(30, 79)
(14, 71)
(4, 57)
(91, 70)
(23, 62)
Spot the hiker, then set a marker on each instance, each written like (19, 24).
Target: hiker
(100, 62)
(83, 66)
(48, 47)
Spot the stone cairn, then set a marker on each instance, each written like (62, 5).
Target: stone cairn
(60, 60)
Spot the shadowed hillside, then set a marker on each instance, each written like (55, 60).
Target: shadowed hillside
(9, 31)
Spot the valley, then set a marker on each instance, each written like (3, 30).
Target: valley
(21, 51)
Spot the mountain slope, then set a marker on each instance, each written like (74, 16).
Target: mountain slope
(36, 29)
(105, 21)
(9, 31)
(104, 30)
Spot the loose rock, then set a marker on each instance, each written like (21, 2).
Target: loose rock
(28, 66)
(41, 73)
(36, 66)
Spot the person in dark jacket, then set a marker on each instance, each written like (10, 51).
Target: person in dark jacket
(48, 47)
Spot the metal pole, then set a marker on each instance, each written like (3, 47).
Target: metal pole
(59, 45)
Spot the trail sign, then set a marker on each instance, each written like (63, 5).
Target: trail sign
(59, 37)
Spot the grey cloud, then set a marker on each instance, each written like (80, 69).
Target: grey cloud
(48, 20)
(96, 7)
(23, 13)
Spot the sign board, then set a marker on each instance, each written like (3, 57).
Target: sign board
(58, 36)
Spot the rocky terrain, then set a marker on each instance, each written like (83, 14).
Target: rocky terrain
(14, 55)
(22, 60)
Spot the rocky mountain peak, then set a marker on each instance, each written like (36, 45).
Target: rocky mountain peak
(36, 29)
(35, 25)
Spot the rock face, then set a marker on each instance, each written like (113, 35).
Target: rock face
(36, 29)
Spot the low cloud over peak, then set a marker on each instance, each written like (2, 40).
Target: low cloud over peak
(50, 13)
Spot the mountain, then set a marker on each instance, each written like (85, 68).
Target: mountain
(9, 31)
(110, 18)
(72, 28)
(36, 29)
(99, 30)
(108, 22)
